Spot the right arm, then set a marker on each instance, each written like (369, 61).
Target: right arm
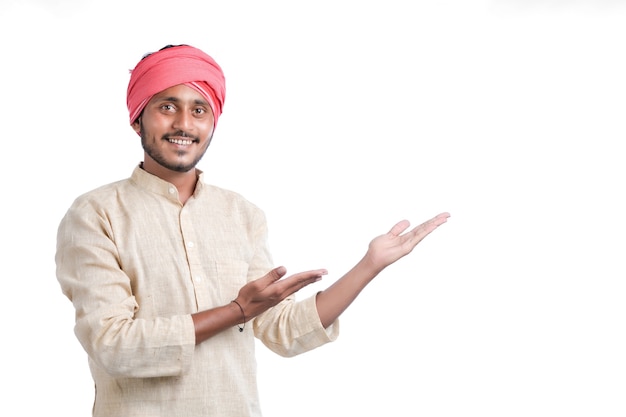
(254, 298)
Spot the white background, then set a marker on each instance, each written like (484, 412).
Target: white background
(341, 118)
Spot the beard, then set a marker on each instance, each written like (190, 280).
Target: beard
(154, 153)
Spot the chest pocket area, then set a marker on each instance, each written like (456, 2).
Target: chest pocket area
(231, 276)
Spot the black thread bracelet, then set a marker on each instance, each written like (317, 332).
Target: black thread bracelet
(243, 314)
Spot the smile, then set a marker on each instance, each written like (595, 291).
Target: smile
(180, 141)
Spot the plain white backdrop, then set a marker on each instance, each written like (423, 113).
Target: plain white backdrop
(341, 118)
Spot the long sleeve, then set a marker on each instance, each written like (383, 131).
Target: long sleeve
(293, 327)
(108, 326)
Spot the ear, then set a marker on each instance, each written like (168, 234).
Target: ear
(136, 125)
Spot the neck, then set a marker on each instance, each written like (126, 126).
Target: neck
(185, 182)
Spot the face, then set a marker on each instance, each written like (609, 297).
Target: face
(176, 127)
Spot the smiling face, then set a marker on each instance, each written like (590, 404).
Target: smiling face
(176, 128)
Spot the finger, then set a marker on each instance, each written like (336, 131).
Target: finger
(301, 284)
(399, 227)
(436, 221)
(428, 226)
(443, 217)
(274, 275)
(300, 280)
(307, 275)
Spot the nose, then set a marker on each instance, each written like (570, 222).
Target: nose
(183, 121)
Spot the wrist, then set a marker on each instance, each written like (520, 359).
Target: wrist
(243, 315)
(371, 266)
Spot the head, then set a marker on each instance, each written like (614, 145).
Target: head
(175, 97)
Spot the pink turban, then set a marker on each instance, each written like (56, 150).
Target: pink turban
(172, 66)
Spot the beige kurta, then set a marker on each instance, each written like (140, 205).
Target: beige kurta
(136, 264)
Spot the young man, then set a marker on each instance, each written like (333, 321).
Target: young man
(172, 279)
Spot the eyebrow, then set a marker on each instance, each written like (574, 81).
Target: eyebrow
(177, 100)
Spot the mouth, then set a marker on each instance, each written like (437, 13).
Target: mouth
(181, 138)
(183, 142)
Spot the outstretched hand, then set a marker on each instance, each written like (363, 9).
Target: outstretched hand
(264, 293)
(261, 294)
(393, 245)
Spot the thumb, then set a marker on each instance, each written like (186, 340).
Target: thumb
(276, 273)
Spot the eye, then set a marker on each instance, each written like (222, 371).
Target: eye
(167, 107)
(199, 111)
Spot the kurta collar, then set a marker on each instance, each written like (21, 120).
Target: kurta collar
(159, 186)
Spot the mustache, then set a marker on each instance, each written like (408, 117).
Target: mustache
(181, 134)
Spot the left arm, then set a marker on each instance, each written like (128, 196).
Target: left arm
(382, 252)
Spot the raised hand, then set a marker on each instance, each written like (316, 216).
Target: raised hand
(393, 245)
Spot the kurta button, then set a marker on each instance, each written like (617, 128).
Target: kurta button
(190, 244)
(172, 190)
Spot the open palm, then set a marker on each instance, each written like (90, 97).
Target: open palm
(393, 245)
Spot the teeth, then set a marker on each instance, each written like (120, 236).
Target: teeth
(181, 142)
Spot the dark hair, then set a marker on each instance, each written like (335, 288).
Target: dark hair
(165, 47)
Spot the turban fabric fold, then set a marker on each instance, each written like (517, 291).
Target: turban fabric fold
(172, 66)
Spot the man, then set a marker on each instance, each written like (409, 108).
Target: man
(172, 279)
